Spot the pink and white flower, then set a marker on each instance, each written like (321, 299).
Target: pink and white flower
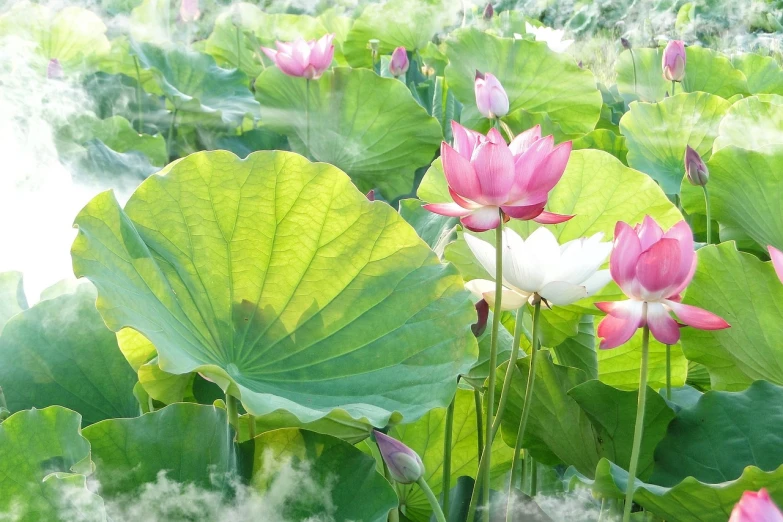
(491, 97)
(673, 61)
(303, 59)
(756, 507)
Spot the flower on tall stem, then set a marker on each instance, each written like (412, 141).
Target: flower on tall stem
(303, 59)
(399, 64)
(673, 61)
(491, 97)
(756, 507)
(487, 176)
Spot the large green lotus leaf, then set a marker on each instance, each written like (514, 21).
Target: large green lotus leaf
(746, 293)
(337, 424)
(120, 60)
(722, 434)
(72, 35)
(579, 351)
(619, 367)
(705, 70)
(43, 463)
(613, 414)
(535, 78)
(436, 230)
(763, 73)
(188, 442)
(279, 280)
(688, 501)
(396, 23)
(335, 481)
(657, 134)
(751, 124)
(59, 352)
(557, 428)
(426, 437)
(196, 87)
(605, 140)
(744, 191)
(368, 126)
(12, 297)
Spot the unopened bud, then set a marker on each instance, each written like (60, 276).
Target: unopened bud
(673, 62)
(405, 465)
(54, 70)
(399, 62)
(482, 311)
(626, 44)
(695, 168)
(491, 97)
(189, 11)
(489, 11)
(371, 195)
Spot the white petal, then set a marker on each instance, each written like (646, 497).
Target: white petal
(484, 252)
(597, 281)
(580, 259)
(521, 266)
(562, 293)
(485, 289)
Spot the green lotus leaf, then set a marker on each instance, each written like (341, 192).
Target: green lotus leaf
(688, 501)
(12, 297)
(751, 124)
(762, 72)
(120, 60)
(370, 127)
(558, 430)
(334, 480)
(72, 35)
(337, 424)
(744, 191)
(605, 140)
(579, 351)
(196, 88)
(619, 367)
(97, 164)
(187, 442)
(396, 23)
(294, 293)
(59, 352)
(705, 70)
(613, 414)
(748, 295)
(657, 134)
(535, 78)
(44, 460)
(722, 434)
(436, 230)
(231, 43)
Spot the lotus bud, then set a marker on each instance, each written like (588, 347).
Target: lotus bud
(482, 311)
(756, 507)
(625, 43)
(695, 169)
(55, 70)
(371, 195)
(399, 62)
(489, 11)
(189, 11)
(673, 62)
(405, 466)
(491, 97)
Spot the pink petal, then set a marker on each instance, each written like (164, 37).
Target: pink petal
(526, 167)
(494, 167)
(649, 232)
(289, 65)
(697, 317)
(624, 318)
(550, 170)
(271, 53)
(462, 202)
(777, 261)
(625, 254)
(550, 218)
(465, 140)
(662, 326)
(459, 173)
(284, 47)
(682, 233)
(486, 218)
(674, 293)
(658, 266)
(447, 209)
(523, 141)
(524, 213)
(756, 507)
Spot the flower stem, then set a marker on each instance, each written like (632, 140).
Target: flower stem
(447, 456)
(531, 380)
(239, 48)
(639, 426)
(432, 500)
(307, 120)
(138, 95)
(673, 85)
(603, 507)
(709, 214)
(479, 422)
(633, 61)
(231, 411)
(668, 372)
(512, 361)
(251, 426)
(171, 134)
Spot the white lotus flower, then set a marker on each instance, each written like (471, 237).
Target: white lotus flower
(539, 265)
(552, 37)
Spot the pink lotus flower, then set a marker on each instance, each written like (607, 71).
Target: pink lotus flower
(486, 176)
(399, 62)
(652, 267)
(491, 97)
(303, 59)
(405, 465)
(756, 507)
(54, 71)
(189, 11)
(777, 261)
(673, 62)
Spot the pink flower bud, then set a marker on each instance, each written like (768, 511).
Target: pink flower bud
(491, 98)
(756, 507)
(695, 168)
(489, 11)
(55, 70)
(405, 465)
(189, 11)
(399, 62)
(674, 61)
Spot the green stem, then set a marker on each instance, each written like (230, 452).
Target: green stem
(447, 456)
(231, 411)
(668, 372)
(709, 214)
(307, 120)
(507, 130)
(673, 85)
(251, 426)
(138, 94)
(531, 380)
(639, 426)
(239, 48)
(633, 61)
(150, 403)
(603, 507)
(479, 422)
(431, 498)
(171, 133)
(533, 475)
(512, 362)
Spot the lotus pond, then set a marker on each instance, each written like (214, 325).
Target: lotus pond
(397, 261)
